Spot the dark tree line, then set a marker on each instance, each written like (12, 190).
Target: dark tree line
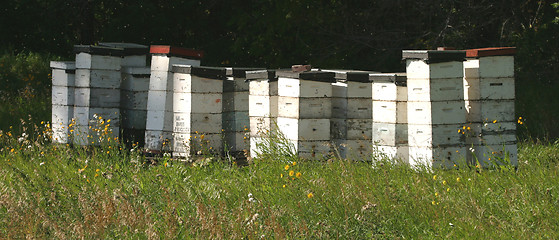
(342, 34)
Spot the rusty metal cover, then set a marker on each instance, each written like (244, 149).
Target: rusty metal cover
(128, 48)
(301, 68)
(176, 51)
(493, 51)
(434, 56)
(98, 50)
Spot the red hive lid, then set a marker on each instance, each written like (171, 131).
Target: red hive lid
(494, 51)
(176, 51)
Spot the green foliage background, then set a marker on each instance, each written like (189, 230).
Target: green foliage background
(365, 35)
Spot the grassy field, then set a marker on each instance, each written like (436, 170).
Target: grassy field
(111, 191)
(59, 191)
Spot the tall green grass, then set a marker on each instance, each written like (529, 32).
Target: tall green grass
(60, 191)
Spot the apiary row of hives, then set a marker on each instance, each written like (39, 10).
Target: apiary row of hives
(448, 107)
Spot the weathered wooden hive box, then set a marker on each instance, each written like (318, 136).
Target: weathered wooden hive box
(197, 102)
(263, 106)
(435, 107)
(489, 94)
(236, 106)
(338, 125)
(133, 102)
(134, 81)
(390, 114)
(160, 113)
(97, 93)
(351, 121)
(63, 82)
(305, 109)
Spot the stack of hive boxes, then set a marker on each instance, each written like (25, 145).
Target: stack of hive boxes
(134, 99)
(263, 106)
(359, 115)
(338, 125)
(390, 126)
(97, 94)
(159, 122)
(133, 90)
(435, 107)
(489, 95)
(63, 81)
(236, 122)
(197, 101)
(305, 109)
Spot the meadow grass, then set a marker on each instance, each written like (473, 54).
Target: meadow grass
(110, 191)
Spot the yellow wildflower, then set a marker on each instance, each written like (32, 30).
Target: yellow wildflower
(298, 175)
(291, 173)
(310, 195)
(286, 167)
